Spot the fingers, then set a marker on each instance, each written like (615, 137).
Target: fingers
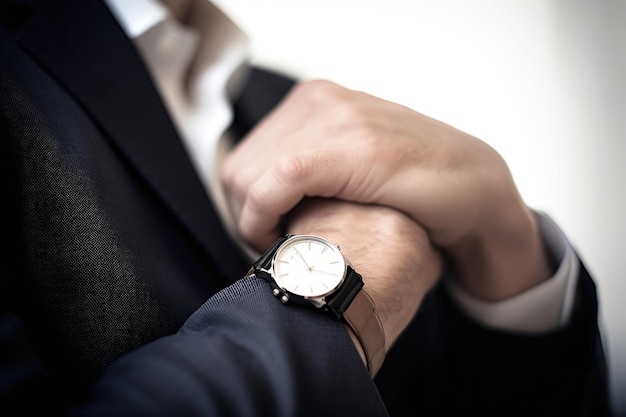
(267, 199)
(326, 141)
(283, 186)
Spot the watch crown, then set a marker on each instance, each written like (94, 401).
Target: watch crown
(284, 298)
(276, 292)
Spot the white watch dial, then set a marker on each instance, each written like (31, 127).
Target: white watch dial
(309, 266)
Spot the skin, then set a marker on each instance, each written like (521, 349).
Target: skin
(411, 267)
(326, 141)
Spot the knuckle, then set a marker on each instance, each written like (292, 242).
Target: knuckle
(318, 91)
(291, 169)
(256, 199)
(343, 108)
(351, 113)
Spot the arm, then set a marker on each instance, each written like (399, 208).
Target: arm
(244, 353)
(327, 141)
(241, 353)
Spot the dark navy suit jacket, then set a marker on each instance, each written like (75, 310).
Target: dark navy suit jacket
(122, 293)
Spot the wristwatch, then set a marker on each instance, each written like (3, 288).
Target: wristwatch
(310, 270)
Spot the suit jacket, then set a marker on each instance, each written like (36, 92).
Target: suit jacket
(122, 291)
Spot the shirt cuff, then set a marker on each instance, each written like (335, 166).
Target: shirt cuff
(542, 308)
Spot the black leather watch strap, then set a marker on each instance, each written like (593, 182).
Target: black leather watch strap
(337, 302)
(266, 259)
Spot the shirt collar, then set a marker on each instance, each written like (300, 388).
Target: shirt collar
(137, 16)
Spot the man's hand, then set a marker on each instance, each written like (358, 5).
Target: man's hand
(325, 140)
(391, 252)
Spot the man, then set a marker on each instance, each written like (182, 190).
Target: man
(127, 295)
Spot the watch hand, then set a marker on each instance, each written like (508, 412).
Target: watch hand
(303, 260)
(323, 272)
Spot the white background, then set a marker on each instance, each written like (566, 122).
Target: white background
(543, 82)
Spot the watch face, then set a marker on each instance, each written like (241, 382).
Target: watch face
(309, 266)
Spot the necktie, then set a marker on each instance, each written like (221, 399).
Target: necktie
(198, 58)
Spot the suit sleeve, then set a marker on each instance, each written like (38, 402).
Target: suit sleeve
(466, 367)
(242, 353)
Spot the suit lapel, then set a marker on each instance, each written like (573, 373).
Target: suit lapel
(81, 44)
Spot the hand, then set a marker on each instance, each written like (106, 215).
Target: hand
(325, 140)
(390, 251)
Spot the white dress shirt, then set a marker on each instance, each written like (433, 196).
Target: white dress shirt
(198, 101)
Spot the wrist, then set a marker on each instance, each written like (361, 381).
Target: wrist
(503, 260)
(390, 251)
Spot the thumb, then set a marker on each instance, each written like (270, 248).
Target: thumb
(284, 185)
